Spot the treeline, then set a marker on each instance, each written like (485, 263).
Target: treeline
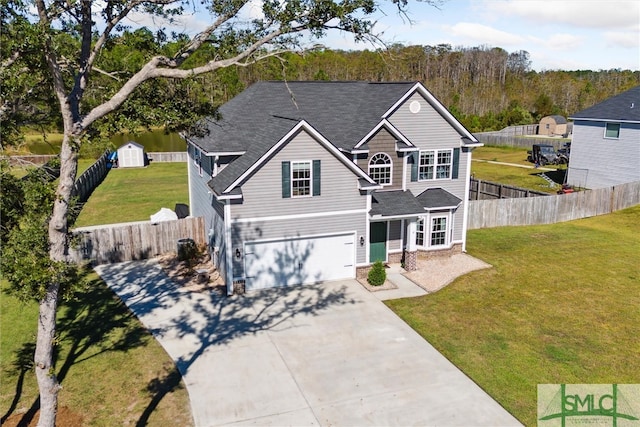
(486, 88)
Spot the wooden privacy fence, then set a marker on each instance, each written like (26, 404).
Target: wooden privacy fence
(91, 178)
(494, 138)
(552, 209)
(112, 243)
(176, 156)
(483, 190)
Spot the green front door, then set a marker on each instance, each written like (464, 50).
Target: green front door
(378, 242)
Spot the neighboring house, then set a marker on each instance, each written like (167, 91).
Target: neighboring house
(553, 126)
(300, 182)
(131, 155)
(605, 148)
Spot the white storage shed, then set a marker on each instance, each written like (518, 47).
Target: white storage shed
(131, 155)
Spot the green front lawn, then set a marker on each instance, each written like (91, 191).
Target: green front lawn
(560, 305)
(133, 194)
(112, 371)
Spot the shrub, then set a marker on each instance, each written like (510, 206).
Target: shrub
(377, 275)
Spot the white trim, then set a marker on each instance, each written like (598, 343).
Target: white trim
(604, 136)
(229, 249)
(386, 165)
(465, 203)
(386, 124)
(301, 237)
(436, 151)
(189, 183)
(301, 125)
(380, 218)
(367, 231)
(298, 216)
(442, 208)
(224, 153)
(310, 163)
(602, 120)
(418, 87)
(447, 243)
(405, 163)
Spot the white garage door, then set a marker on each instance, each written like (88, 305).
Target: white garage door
(299, 261)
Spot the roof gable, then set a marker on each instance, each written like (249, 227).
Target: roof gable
(244, 167)
(624, 107)
(467, 137)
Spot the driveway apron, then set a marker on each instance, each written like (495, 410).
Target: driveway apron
(325, 355)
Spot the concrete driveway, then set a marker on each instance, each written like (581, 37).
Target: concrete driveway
(325, 355)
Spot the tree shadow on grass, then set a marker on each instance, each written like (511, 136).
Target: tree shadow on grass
(93, 323)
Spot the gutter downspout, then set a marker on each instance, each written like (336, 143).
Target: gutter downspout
(465, 216)
(228, 252)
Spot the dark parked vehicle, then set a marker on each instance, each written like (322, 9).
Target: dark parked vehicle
(564, 153)
(542, 154)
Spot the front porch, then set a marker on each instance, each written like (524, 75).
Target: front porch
(404, 228)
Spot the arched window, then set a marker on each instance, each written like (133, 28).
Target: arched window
(380, 168)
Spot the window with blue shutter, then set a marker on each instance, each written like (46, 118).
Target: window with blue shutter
(286, 180)
(316, 177)
(414, 166)
(456, 163)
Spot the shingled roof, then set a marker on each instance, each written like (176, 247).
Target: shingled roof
(621, 108)
(343, 112)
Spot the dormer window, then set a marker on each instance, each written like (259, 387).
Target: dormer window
(380, 168)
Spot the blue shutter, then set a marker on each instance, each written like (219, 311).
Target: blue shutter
(456, 163)
(316, 177)
(286, 180)
(414, 165)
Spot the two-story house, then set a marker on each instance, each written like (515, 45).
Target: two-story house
(605, 147)
(301, 182)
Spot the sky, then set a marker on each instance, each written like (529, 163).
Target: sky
(558, 34)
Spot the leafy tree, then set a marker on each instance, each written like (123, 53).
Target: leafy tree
(63, 45)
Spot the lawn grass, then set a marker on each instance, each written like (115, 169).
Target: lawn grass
(112, 371)
(560, 305)
(133, 194)
(517, 155)
(513, 175)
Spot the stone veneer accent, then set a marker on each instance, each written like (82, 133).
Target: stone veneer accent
(411, 260)
(442, 253)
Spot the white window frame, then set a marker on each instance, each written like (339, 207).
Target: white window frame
(420, 231)
(435, 165)
(606, 130)
(309, 163)
(381, 167)
(426, 235)
(445, 233)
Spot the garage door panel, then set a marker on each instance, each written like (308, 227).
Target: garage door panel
(298, 261)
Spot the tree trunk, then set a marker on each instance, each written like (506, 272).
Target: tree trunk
(47, 382)
(58, 251)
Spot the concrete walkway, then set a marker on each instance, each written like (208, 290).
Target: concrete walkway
(323, 355)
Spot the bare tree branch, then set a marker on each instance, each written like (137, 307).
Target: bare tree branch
(10, 60)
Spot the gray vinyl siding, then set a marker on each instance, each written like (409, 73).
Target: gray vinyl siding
(203, 204)
(262, 192)
(395, 235)
(428, 130)
(384, 142)
(287, 228)
(598, 162)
